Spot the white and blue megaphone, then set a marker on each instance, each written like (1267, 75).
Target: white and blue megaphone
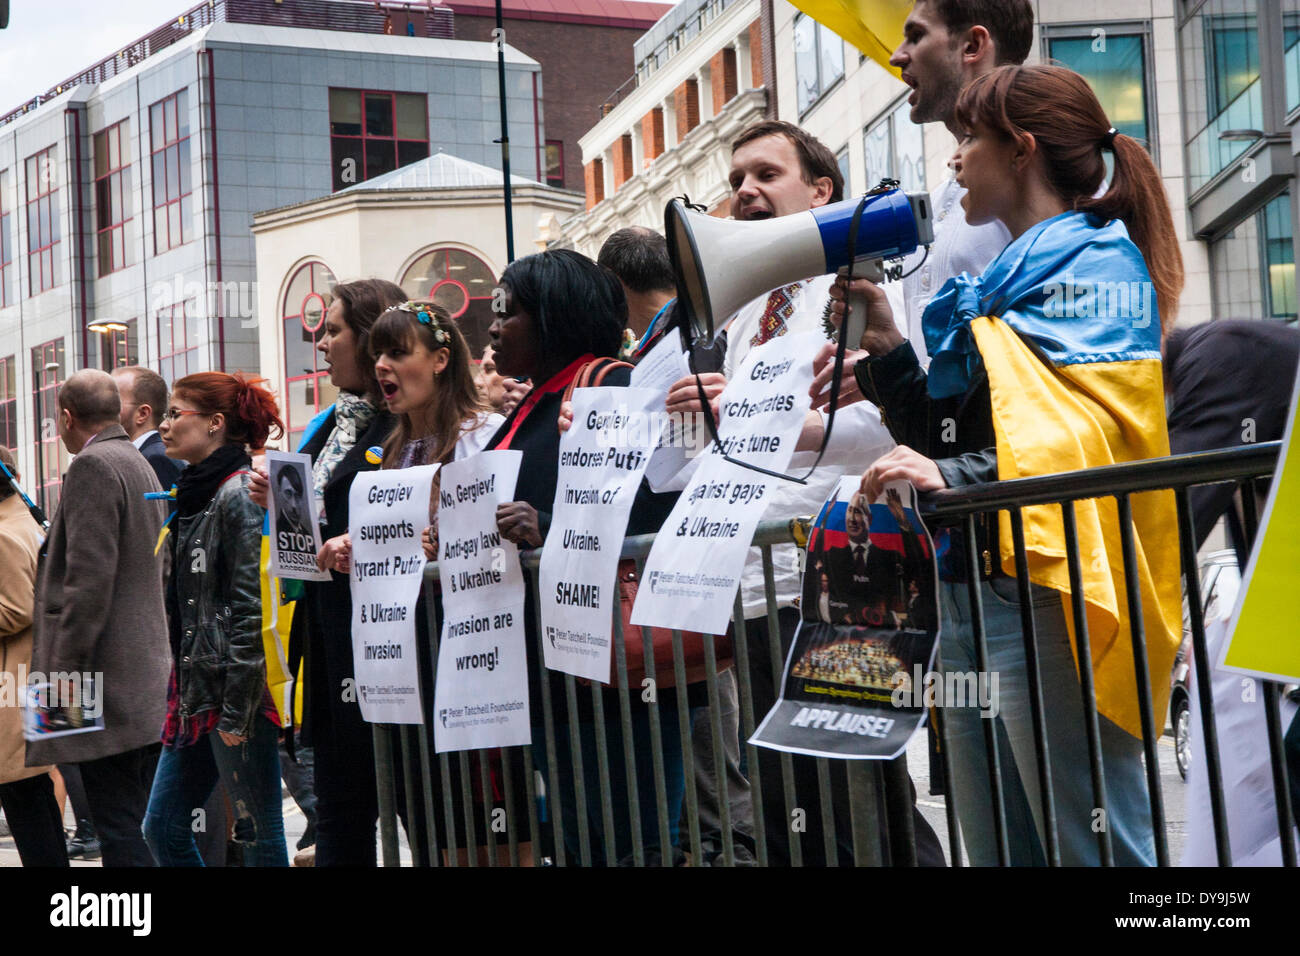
(721, 264)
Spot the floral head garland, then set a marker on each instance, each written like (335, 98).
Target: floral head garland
(425, 315)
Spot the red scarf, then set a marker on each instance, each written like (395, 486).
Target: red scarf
(556, 383)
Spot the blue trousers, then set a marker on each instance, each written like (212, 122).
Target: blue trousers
(1128, 813)
(186, 776)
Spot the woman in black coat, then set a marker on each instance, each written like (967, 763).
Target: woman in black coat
(346, 802)
(562, 310)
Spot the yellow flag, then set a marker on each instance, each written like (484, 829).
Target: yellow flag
(875, 27)
(1051, 419)
(1263, 642)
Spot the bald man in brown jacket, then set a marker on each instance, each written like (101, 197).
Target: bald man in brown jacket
(99, 611)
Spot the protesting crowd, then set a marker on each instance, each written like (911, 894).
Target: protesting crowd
(152, 573)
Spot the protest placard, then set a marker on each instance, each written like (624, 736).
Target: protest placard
(481, 686)
(858, 677)
(660, 368)
(694, 568)
(292, 517)
(389, 510)
(602, 458)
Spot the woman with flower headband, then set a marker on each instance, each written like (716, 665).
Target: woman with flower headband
(342, 442)
(423, 371)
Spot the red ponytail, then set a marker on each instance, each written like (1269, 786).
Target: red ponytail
(249, 408)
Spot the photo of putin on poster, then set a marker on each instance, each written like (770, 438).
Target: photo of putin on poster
(295, 531)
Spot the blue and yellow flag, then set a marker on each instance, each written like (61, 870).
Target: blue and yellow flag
(875, 27)
(1065, 323)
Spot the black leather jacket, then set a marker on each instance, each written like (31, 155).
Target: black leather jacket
(217, 608)
(956, 432)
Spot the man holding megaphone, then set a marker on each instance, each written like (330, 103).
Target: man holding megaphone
(779, 170)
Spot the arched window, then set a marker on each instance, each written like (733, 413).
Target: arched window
(302, 313)
(461, 283)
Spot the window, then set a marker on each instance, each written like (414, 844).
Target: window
(51, 456)
(373, 132)
(8, 294)
(1291, 53)
(818, 61)
(8, 404)
(1115, 66)
(307, 381)
(1222, 89)
(114, 345)
(555, 163)
(169, 153)
(461, 283)
(42, 220)
(1278, 255)
(894, 148)
(112, 192)
(178, 350)
(842, 160)
(1232, 58)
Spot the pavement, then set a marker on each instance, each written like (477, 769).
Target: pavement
(931, 807)
(1173, 792)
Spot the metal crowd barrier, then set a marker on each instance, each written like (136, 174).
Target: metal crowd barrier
(878, 792)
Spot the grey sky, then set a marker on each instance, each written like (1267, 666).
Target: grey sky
(50, 40)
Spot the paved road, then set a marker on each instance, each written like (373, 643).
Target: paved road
(1172, 789)
(932, 807)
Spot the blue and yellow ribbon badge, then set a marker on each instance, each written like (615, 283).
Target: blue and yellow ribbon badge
(164, 530)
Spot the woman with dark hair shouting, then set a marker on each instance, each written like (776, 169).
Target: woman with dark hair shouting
(562, 311)
(1047, 362)
(221, 721)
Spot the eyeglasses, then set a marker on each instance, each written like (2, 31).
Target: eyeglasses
(174, 413)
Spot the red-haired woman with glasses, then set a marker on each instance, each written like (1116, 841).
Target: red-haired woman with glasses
(221, 721)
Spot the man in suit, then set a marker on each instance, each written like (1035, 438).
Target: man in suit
(99, 613)
(1227, 383)
(144, 399)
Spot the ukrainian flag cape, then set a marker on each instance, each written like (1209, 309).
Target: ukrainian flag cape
(1065, 324)
(278, 601)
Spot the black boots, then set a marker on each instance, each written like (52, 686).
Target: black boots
(84, 843)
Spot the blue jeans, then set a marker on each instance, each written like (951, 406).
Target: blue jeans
(186, 776)
(563, 779)
(1128, 811)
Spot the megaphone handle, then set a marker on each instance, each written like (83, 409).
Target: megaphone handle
(855, 320)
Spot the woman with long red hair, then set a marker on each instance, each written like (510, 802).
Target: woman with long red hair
(221, 721)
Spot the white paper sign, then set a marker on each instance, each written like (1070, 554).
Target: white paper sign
(389, 510)
(694, 568)
(661, 368)
(602, 458)
(481, 688)
(292, 516)
(479, 569)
